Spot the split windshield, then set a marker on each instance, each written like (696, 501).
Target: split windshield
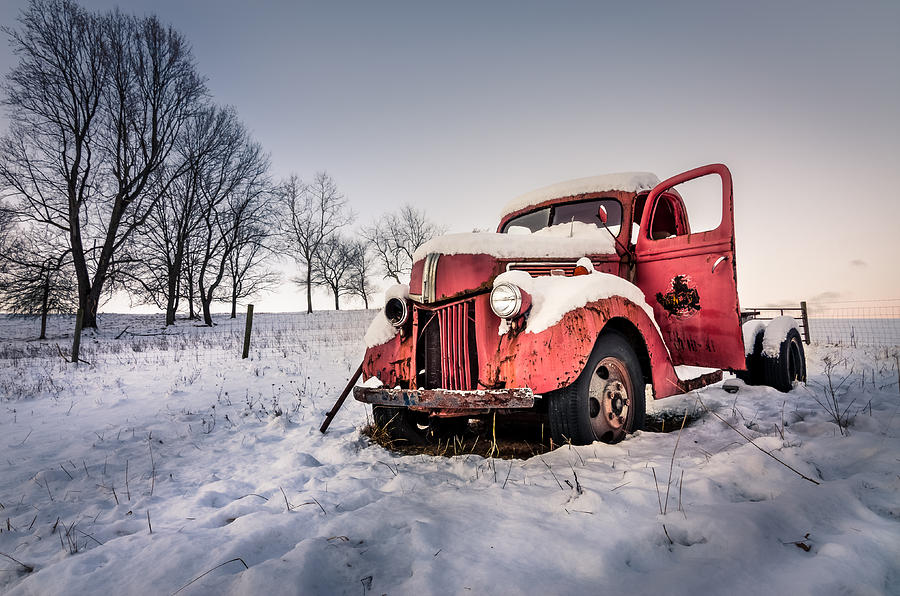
(583, 211)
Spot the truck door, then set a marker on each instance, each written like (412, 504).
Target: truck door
(690, 278)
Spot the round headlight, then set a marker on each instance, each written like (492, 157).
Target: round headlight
(396, 311)
(506, 300)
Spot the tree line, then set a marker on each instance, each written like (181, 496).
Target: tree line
(119, 173)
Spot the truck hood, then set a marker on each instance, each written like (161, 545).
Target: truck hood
(455, 264)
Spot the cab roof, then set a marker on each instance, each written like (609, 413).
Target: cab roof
(623, 181)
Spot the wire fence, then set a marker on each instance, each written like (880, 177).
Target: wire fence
(324, 334)
(859, 323)
(767, 313)
(144, 338)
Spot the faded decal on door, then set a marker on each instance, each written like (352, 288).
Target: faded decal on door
(682, 300)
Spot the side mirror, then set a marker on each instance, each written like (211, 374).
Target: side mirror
(601, 214)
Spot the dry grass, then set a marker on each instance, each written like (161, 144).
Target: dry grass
(483, 437)
(507, 439)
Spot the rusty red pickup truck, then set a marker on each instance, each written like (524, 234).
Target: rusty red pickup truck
(591, 297)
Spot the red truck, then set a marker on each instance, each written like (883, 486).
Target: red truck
(592, 296)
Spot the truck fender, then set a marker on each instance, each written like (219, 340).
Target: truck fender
(555, 357)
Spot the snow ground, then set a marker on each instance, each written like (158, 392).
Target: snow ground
(177, 433)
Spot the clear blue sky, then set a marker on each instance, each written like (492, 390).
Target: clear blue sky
(457, 107)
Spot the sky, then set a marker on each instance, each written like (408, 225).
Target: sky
(457, 107)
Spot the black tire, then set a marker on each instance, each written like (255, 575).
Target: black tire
(755, 373)
(416, 428)
(606, 402)
(789, 366)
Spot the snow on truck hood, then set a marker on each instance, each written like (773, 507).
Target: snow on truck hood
(553, 297)
(624, 181)
(572, 239)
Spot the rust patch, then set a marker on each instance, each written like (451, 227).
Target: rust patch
(681, 301)
(447, 398)
(701, 381)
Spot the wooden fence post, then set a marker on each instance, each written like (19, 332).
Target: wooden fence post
(76, 342)
(247, 330)
(804, 315)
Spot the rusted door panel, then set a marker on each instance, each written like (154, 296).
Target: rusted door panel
(691, 282)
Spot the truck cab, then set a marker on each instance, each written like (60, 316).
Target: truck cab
(589, 291)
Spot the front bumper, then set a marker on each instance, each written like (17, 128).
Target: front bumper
(486, 399)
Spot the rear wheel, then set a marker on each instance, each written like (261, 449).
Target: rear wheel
(789, 366)
(607, 400)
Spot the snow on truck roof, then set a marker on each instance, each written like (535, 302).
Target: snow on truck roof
(624, 181)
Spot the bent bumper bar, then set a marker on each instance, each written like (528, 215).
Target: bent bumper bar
(447, 398)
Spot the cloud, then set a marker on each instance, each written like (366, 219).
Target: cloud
(858, 263)
(826, 297)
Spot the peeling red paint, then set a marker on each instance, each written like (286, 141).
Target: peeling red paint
(688, 279)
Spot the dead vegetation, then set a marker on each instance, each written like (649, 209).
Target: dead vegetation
(509, 439)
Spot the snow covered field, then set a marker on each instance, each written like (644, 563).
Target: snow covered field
(170, 465)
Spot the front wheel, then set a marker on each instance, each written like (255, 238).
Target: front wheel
(606, 402)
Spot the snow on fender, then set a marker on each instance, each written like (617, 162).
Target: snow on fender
(381, 330)
(552, 297)
(754, 330)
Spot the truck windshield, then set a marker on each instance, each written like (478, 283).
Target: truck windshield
(582, 211)
(534, 221)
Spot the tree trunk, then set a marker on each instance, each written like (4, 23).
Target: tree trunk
(233, 305)
(337, 297)
(190, 296)
(207, 316)
(171, 307)
(308, 286)
(91, 304)
(44, 307)
(365, 301)
(172, 294)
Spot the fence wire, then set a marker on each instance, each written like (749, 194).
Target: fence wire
(327, 334)
(862, 323)
(145, 339)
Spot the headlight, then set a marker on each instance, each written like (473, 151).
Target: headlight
(506, 300)
(396, 311)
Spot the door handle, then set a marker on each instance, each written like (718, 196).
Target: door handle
(718, 261)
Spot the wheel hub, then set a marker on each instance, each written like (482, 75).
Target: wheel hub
(609, 397)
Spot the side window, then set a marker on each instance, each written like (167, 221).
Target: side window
(667, 219)
(639, 202)
(702, 201)
(696, 202)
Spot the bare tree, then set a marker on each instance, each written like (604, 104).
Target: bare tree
(96, 102)
(189, 274)
(314, 213)
(331, 266)
(396, 236)
(359, 269)
(246, 272)
(235, 195)
(36, 276)
(6, 227)
(163, 242)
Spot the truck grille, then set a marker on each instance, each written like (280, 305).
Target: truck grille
(446, 350)
(539, 269)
